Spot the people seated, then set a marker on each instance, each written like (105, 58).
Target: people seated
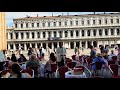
(111, 55)
(33, 63)
(17, 72)
(52, 60)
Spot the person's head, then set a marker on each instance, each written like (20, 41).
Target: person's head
(61, 44)
(43, 55)
(16, 69)
(112, 51)
(99, 55)
(52, 57)
(8, 58)
(118, 45)
(91, 47)
(33, 57)
(13, 58)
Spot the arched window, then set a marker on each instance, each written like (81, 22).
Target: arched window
(26, 25)
(118, 32)
(38, 24)
(71, 33)
(88, 22)
(111, 21)
(94, 32)
(77, 33)
(83, 33)
(100, 22)
(106, 32)
(54, 23)
(22, 36)
(27, 34)
(117, 20)
(44, 34)
(33, 35)
(77, 23)
(93, 22)
(38, 34)
(112, 32)
(48, 24)
(66, 33)
(88, 32)
(32, 24)
(43, 24)
(21, 25)
(100, 32)
(15, 25)
(59, 23)
(49, 34)
(55, 34)
(60, 34)
(71, 23)
(16, 35)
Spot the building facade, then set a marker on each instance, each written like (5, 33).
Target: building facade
(72, 30)
(3, 40)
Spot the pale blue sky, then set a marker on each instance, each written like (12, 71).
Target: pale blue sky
(12, 15)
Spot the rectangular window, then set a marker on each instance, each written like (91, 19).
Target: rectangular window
(54, 23)
(65, 23)
(111, 21)
(117, 20)
(48, 24)
(15, 25)
(43, 24)
(32, 24)
(26, 25)
(88, 22)
(38, 34)
(94, 22)
(59, 23)
(105, 21)
(71, 23)
(99, 21)
(21, 25)
(77, 23)
(37, 24)
(82, 22)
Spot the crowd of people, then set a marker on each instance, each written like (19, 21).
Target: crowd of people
(16, 67)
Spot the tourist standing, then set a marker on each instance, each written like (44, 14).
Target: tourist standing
(61, 54)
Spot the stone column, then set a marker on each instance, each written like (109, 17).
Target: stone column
(19, 25)
(68, 34)
(30, 45)
(80, 44)
(24, 25)
(97, 32)
(80, 33)
(19, 36)
(14, 48)
(52, 46)
(57, 33)
(8, 35)
(35, 34)
(109, 34)
(46, 34)
(85, 31)
(74, 34)
(8, 46)
(13, 35)
(35, 45)
(91, 33)
(41, 44)
(57, 44)
(30, 34)
(97, 44)
(115, 33)
(41, 34)
(46, 44)
(86, 44)
(25, 47)
(63, 34)
(103, 32)
(68, 44)
(52, 34)
(25, 37)
(74, 44)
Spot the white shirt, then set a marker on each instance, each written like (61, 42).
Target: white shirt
(61, 51)
(43, 50)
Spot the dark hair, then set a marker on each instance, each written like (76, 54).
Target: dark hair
(91, 47)
(13, 58)
(16, 69)
(24, 59)
(43, 55)
(8, 58)
(52, 57)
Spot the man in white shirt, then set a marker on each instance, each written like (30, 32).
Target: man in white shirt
(61, 53)
(2, 57)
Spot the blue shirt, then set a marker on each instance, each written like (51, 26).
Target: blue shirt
(97, 59)
(92, 53)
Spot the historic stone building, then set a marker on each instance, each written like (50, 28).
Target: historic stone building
(72, 30)
(3, 40)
